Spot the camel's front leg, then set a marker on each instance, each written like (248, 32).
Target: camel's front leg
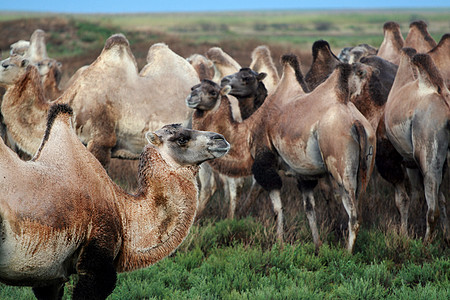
(54, 291)
(264, 170)
(309, 204)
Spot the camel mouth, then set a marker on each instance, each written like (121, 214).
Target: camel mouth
(192, 103)
(219, 150)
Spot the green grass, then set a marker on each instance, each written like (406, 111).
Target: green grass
(239, 260)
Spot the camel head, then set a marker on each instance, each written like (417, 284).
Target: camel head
(182, 146)
(12, 69)
(243, 83)
(359, 77)
(205, 95)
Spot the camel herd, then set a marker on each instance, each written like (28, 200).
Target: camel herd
(363, 112)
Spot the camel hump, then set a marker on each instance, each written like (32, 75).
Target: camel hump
(429, 74)
(342, 89)
(261, 52)
(117, 39)
(321, 48)
(444, 42)
(408, 51)
(216, 55)
(420, 25)
(292, 60)
(421, 28)
(56, 110)
(391, 26)
(37, 50)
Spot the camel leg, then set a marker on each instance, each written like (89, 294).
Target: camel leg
(264, 170)
(444, 218)
(232, 191)
(402, 202)
(96, 273)
(309, 204)
(431, 195)
(275, 197)
(349, 202)
(54, 291)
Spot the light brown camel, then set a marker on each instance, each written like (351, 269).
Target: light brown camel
(417, 124)
(61, 214)
(323, 64)
(441, 57)
(392, 43)
(114, 104)
(419, 38)
(307, 141)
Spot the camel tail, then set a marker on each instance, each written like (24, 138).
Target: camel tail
(366, 156)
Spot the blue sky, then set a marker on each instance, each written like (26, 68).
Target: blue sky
(141, 6)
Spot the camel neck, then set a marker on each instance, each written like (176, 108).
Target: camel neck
(159, 217)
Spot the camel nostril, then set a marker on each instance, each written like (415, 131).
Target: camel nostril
(218, 137)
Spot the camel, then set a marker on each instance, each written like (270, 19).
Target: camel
(416, 124)
(419, 38)
(441, 57)
(300, 138)
(354, 54)
(61, 214)
(251, 98)
(323, 64)
(392, 43)
(114, 104)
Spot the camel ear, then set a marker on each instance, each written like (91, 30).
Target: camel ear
(153, 138)
(25, 63)
(261, 76)
(225, 90)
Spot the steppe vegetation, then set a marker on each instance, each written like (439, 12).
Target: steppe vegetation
(240, 259)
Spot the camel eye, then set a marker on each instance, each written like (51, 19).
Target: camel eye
(214, 93)
(182, 141)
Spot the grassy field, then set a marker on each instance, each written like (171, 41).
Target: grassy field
(240, 259)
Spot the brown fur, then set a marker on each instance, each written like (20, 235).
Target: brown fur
(292, 60)
(62, 214)
(422, 141)
(441, 57)
(392, 43)
(323, 64)
(419, 38)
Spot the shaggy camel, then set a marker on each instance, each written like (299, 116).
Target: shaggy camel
(418, 37)
(417, 124)
(61, 214)
(323, 64)
(301, 139)
(114, 104)
(354, 54)
(441, 57)
(392, 43)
